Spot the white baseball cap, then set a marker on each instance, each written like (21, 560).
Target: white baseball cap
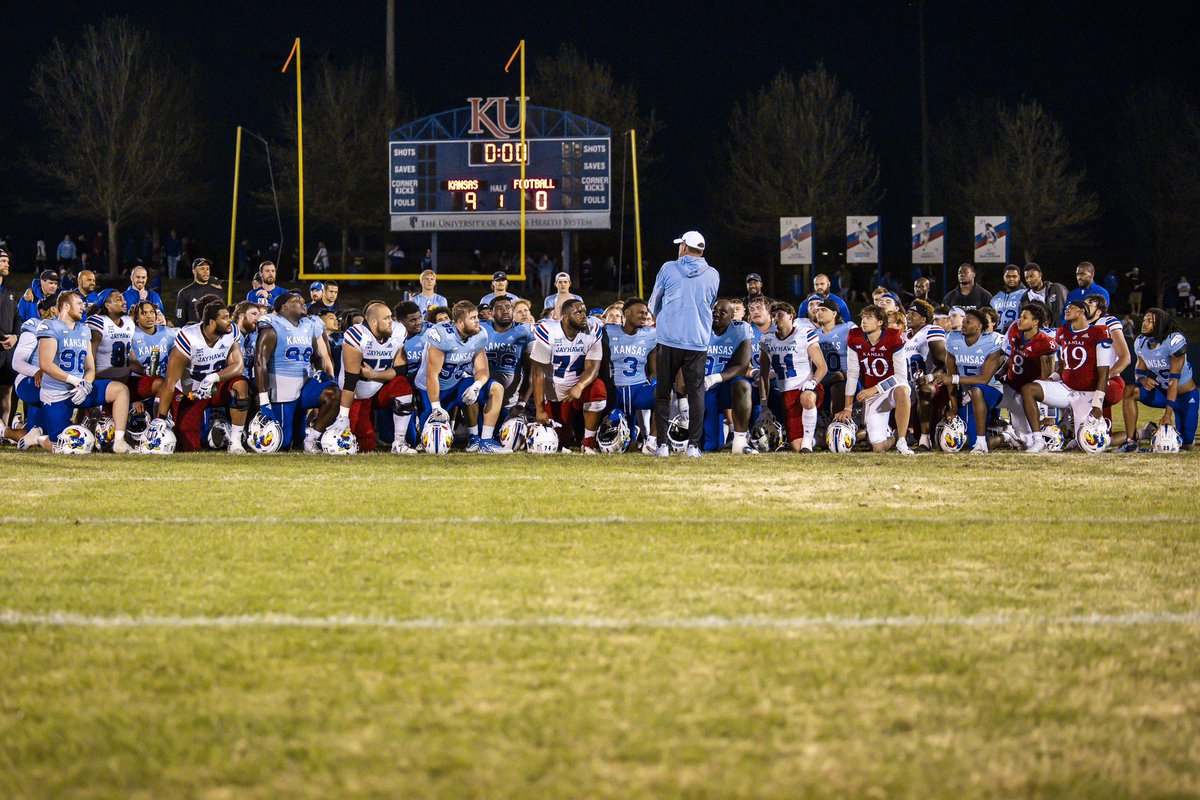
(692, 239)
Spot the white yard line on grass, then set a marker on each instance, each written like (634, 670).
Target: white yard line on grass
(69, 620)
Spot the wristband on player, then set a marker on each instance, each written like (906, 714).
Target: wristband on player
(1141, 373)
(716, 378)
(1172, 376)
(954, 379)
(264, 399)
(477, 385)
(1054, 376)
(343, 412)
(350, 380)
(1098, 399)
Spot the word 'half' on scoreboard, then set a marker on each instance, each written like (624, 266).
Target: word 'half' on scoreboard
(461, 170)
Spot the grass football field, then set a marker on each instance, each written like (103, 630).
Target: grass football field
(567, 627)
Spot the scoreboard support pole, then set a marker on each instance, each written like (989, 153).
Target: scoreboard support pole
(637, 213)
(237, 171)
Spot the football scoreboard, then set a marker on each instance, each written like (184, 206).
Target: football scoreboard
(476, 184)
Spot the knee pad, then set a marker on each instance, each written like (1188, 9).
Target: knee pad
(240, 403)
(403, 405)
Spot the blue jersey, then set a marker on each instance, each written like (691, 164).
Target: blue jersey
(755, 342)
(414, 350)
(969, 358)
(1157, 357)
(291, 361)
(425, 303)
(505, 350)
(722, 346)
(629, 352)
(833, 346)
(1008, 306)
(460, 355)
(144, 344)
(73, 345)
(316, 329)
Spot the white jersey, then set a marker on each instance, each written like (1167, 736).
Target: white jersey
(916, 350)
(203, 359)
(25, 354)
(788, 358)
(116, 342)
(566, 356)
(376, 355)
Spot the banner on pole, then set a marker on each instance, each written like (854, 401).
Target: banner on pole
(862, 240)
(929, 240)
(795, 240)
(991, 240)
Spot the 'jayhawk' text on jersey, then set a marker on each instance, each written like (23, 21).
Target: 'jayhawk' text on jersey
(376, 355)
(567, 357)
(1082, 354)
(722, 346)
(71, 356)
(969, 358)
(629, 352)
(203, 360)
(506, 349)
(144, 344)
(291, 361)
(459, 354)
(788, 357)
(1157, 357)
(116, 340)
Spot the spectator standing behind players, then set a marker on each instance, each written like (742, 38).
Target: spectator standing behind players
(1085, 276)
(499, 287)
(563, 293)
(45, 285)
(137, 291)
(10, 325)
(1136, 286)
(191, 297)
(821, 291)
(1008, 302)
(968, 294)
(428, 297)
(86, 287)
(66, 251)
(682, 301)
(1050, 294)
(268, 292)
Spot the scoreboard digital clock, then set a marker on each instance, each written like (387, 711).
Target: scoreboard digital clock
(475, 184)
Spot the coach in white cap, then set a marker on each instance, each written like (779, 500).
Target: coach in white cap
(682, 302)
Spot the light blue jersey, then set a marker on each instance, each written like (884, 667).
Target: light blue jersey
(629, 352)
(506, 349)
(722, 346)
(316, 329)
(425, 303)
(969, 358)
(460, 355)
(144, 344)
(1008, 306)
(833, 346)
(414, 351)
(755, 341)
(1157, 357)
(291, 361)
(73, 345)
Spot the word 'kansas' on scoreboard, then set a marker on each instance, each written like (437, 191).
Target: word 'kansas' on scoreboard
(475, 184)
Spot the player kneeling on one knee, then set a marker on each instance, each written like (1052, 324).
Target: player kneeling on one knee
(973, 358)
(793, 367)
(1164, 379)
(569, 351)
(876, 352)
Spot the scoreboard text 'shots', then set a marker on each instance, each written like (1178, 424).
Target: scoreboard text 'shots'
(464, 183)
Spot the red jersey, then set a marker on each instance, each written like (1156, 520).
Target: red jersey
(876, 362)
(1025, 357)
(1082, 352)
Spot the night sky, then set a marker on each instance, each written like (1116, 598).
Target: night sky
(689, 63)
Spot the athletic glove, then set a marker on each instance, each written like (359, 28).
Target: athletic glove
(204, 389)
(81, 392)
(711, 381)
(265, 412)
(808, 386)
(471, 395)
(158, 426)
(438, 414)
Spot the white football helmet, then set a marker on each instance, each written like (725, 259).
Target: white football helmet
(1093, 435)
(543, 439)
(264, 435)
(1166, 440)
(677, 433)
(437, 437)
(219, 434)
(766, 434)
(951, 435)
(1054, 438)
(159, 439)
(514, 434)
(75, 440)
(613, 434)
(135, 428)
(337, 441)
(105, 431)
(841, 436)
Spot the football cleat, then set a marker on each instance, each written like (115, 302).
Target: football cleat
(75, 440)
(514, 434)
(903, 449)
(951, 435)
(236, 448)
(542, 439)
(473, 443)
(650, 446)
(1166, 440)
(589, 447)
(746, 450)
(1093, 435)
(18, 421)
(492, 447)
(841, 436)
(662, 452)
(613, 435)
(312, 440)
(401, 448)
(436, 437)
(30, 439)
(1129, 446)
(693, 451)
